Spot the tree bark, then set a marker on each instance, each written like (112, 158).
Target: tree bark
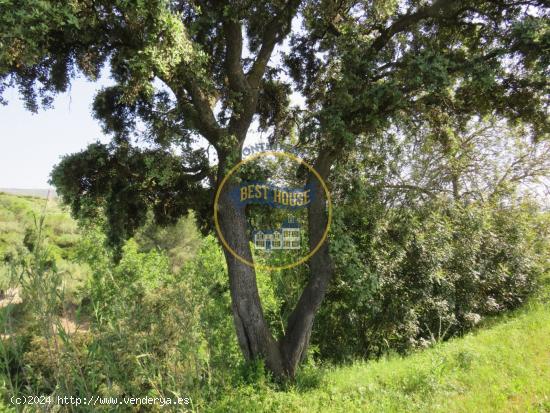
(254, 336)
(253, 333)
(300, 323)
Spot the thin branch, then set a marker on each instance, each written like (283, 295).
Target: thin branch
(275, 31)
(439, 8)
(233, 53)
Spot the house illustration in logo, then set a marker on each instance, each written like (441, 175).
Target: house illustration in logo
(285, 238)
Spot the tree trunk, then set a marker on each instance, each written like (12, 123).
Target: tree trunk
(254, 336)
(253, 333)
(300, 323)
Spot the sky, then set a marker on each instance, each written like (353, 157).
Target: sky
(31, 144)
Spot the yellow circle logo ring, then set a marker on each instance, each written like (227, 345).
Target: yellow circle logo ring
(279, 155)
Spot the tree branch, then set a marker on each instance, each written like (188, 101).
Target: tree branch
(275, 31)
(193, 102)
(439, 8)
(249, 85)
(234, 49)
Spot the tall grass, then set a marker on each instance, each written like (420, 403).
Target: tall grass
(147, 332)
(501, 368)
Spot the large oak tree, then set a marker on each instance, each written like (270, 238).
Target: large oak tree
(206, 70)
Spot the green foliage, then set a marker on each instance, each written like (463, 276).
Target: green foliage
(179, 241)
(18, 234)
(173, 62)
(500, 369)
(279, 291)
(408, 278)
(364, 71)
(146, 330)
(206, 275)
(123, 185)
(37, 288)
(17, 215)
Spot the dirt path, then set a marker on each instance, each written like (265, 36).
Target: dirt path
(68, 322)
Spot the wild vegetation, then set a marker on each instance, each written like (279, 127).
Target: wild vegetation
(145, 327)
(193, 78)
(426, 125)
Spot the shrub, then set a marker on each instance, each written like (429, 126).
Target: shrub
(406, 278)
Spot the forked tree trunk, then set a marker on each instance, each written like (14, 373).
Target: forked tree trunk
(254, 336)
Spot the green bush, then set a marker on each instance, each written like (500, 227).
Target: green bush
(148, 332)
(407, 278)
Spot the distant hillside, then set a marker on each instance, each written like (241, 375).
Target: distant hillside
(41, 193)
(18, 214)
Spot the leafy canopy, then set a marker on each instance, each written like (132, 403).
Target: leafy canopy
(187, 72)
